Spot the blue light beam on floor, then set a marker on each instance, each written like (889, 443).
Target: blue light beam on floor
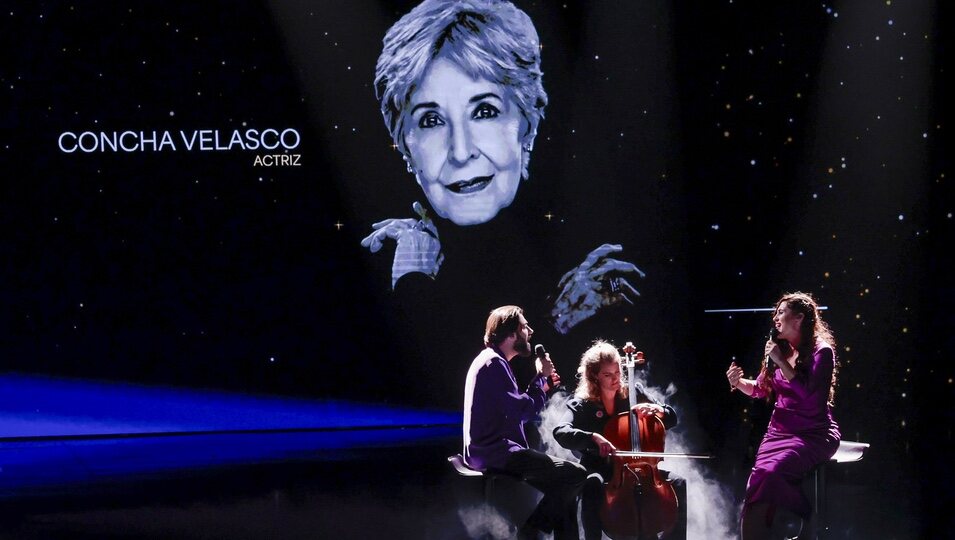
(65, 436)
(34, 406)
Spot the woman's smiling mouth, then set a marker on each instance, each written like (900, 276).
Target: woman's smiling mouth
(470, 186)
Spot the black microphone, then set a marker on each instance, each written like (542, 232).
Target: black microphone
(773, 336)
(541, 353)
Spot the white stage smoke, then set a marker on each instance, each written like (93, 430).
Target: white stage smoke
(483, 521)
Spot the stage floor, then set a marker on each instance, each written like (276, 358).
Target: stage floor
(94, 460)
(392, 491)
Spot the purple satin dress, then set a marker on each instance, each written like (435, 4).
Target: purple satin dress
(801, 435)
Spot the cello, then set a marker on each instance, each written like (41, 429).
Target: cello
(638, 503)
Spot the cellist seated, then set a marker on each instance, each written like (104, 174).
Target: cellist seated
(600, 396)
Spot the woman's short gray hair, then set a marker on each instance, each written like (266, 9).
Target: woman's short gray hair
(492, 39)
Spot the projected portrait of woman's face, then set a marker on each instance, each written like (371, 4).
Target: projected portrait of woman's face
(463, 138)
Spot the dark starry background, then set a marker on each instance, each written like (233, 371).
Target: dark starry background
(738, 150)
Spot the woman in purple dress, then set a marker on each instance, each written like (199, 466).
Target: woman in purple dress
(800, 371)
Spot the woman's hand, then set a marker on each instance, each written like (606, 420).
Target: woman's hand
(734, 374)
(604, 446)
(418, 247)
(598, 281)
(771, 350)
(777, 352)
(649, 409)
(383, 230)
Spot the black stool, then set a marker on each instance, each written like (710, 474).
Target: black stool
(848, 451)
(506, 493)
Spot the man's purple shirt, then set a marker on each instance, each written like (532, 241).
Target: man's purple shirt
(495, 410)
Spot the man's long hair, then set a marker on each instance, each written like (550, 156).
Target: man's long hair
(501, 323)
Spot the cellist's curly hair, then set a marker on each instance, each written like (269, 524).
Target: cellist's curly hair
(814, 331)
(598, 355)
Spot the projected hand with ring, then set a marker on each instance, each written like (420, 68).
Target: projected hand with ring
(418, 249)
(597, 282)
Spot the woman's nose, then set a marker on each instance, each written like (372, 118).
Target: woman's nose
(462, 143)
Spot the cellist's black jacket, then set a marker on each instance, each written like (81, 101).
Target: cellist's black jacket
(583, 418)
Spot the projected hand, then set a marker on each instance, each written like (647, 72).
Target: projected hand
(418, 247)
(597, 282)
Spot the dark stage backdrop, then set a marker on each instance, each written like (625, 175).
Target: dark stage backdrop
(186, 186)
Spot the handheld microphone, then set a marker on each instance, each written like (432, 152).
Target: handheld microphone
(773, 336)
(541, 353)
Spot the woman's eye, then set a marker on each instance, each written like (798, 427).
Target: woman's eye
(430, 120)
(485, 111)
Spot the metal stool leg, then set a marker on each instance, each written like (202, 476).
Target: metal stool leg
(822, 526)
(817, 521)
(848, 451)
